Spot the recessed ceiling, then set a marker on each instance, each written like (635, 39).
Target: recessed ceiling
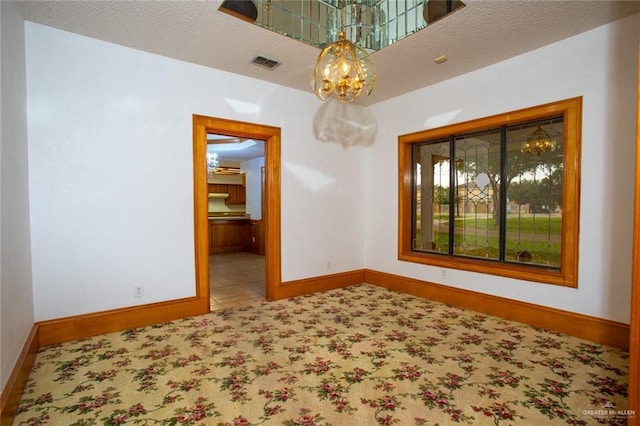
(480, 34)
(232, 151)
(371, 24)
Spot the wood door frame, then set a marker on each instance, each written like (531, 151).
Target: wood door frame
(271, 218)
(633, 400)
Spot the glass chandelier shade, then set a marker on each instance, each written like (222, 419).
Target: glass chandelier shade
(538, 142)
(212, 163)
(344, 70)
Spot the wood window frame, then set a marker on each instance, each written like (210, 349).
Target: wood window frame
(567, 274)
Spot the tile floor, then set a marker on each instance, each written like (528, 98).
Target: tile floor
(236, 279)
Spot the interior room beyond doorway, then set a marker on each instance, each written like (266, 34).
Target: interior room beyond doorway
(235, 186)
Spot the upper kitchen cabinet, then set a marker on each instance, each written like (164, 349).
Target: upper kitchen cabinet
(237, 194)
(217, 188)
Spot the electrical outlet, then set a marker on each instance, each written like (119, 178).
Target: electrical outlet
(443, 274)
(328, 266)
(138, 291)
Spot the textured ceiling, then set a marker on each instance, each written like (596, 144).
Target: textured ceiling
(480, 34)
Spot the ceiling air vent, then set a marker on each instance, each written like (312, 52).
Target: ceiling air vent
(263, 62)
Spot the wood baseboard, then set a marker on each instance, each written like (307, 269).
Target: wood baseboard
(597, 330)
(12, 392)
(83, 326)
(317, 284)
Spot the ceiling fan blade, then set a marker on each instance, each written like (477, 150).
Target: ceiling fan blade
(229, 139)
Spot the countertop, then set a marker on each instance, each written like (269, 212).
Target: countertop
(219, 216)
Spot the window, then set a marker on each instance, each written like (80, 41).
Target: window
(497, 195)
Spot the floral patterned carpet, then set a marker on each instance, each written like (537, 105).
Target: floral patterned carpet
(361, 355)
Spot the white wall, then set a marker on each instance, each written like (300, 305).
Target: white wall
(111, 177)
(253, 176)
(600, 65)
(110, 146)
(16, 292)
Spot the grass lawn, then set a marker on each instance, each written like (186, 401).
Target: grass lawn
(542, 224)
(478, 237)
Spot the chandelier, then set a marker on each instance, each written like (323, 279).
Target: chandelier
(343, 69)
(539, 142)
(212, 163)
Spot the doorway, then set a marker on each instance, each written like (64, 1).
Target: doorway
(235, 209)
(202, 127)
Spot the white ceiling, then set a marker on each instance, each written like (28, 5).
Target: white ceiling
(482, 33)
(233, 151)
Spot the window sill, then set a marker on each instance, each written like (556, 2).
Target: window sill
(538, 274)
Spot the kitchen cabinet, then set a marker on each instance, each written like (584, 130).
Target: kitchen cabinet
(256, 237)
(237, 194)
(218, 188)
(228, 235)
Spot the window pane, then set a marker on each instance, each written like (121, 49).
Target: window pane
(496, 195)
(534, 192)
(431, 197)
(477, 203)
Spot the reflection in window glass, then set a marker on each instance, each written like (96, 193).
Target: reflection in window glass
(431, 197)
